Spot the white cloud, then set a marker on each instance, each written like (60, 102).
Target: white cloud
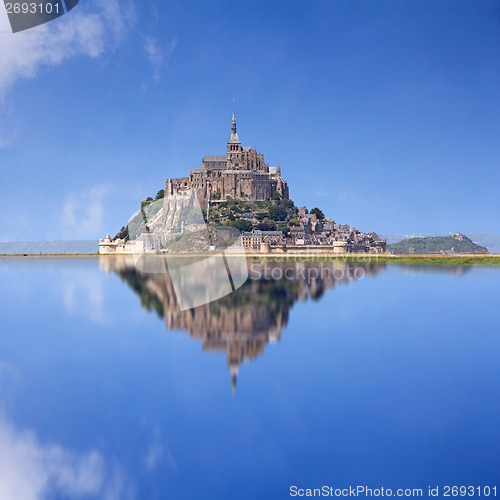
(159, 450)
(154, 454)
(83, 296)
(158, 57)
(30, 470)
(87, 30)
(83, 213)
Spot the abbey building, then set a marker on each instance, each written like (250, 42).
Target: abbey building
(236, 190)
(241, 174)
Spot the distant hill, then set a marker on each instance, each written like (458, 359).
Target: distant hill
(48, 247)
(456, 243)
(490, 241)
(396, 238)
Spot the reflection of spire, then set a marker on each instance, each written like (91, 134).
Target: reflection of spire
(233, 386)
(244, 322)
(233, 370)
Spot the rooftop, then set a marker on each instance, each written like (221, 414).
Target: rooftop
(215, 158)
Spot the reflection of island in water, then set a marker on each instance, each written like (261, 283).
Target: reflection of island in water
(243, 322)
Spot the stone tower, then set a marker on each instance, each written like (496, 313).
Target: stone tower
(241, 173)
(234, 148)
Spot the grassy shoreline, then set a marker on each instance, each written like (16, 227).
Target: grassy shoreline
(433, 260)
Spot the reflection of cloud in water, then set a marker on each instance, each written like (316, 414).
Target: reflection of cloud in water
(83, 296)
(30, 470)
(456, 271)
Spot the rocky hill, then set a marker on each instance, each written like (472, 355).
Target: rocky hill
(454, 244)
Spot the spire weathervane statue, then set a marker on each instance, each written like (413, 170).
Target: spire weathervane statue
(233, 128)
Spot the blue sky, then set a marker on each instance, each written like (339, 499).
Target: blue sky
(384, 113)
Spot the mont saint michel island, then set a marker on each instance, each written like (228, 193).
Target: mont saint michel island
(238, 190)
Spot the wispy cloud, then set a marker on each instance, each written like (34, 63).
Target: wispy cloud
(88, 30)
(30, 470)
(82, 214)
(9, 125)
(83, 296)
(159, 450)
(154, 454)
(158, 56)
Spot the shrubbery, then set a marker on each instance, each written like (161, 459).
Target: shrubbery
(277, 212)
(240, 224)
(319, 214)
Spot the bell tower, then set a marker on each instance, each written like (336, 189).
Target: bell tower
(234, 144)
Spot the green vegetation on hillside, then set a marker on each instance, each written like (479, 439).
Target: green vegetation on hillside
(454, 244)
(319, 213)
(276, 214)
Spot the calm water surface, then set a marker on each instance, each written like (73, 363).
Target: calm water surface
(108, 390)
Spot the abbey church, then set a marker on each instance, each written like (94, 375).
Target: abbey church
(241, 173)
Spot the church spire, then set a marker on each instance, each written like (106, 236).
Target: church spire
(233, 144)
(233, 127)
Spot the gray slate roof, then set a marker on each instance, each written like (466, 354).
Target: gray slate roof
(234, 139)
(214, 158)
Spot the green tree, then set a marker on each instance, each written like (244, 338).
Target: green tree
(289, 204)
(216, 195)
(242, 225)
(160, 194)
(122, 233)
(276, 195)
(319, 214)
(284, 229)
(270, 224)
(277, 213)
(263, 204)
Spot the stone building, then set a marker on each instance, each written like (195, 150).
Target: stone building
(241, 173)
(253, 240)
(120, 246)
